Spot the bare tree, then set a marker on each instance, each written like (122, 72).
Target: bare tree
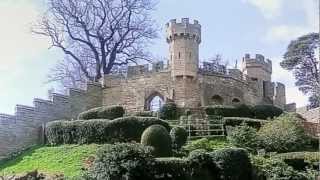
(98, 34)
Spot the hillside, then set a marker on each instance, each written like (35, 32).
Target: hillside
(66, 159)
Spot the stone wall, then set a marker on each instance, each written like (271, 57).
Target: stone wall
(311, 115)
(25, 127)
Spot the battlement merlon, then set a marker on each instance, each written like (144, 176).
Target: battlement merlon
(258, 61)
(183, 29)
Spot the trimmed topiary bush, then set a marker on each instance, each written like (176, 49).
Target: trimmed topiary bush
(122, 161)
(245, 137)
(284, 134)
(169, 111)
(172, 169)
(202, 165)
(145, 114)
(158, 137)
(233, 163)
(266, 111)
(124, 129)
(179, 137)
(236, 121)
(221, 110)
(243, 110)
(108, 112)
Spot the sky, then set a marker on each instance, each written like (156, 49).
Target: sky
(229, 27)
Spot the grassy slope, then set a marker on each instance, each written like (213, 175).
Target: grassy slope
(66, 159)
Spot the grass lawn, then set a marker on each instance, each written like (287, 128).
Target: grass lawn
(66, 159)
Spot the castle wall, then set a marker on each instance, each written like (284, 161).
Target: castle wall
(133, 92)
(25, 127)
(228, 88)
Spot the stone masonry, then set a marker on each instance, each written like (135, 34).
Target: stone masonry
(183, 81)
(189, 85)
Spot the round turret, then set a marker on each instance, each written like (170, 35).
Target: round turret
(184, 39)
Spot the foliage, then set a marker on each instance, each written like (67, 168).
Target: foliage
(66, 159)
(207, 144)
(158, 137)
(284, 134)
(108, 112)
(233, 163)
(202, 165)
(122, 161)
(179, 137)
(236, 121)
(275, 168)
(221, 110)
(169, 111)
(301, 59)
(171, 169)
(240, 110)
(299, 160)
(97, 35)
(124, 129)
(314, 101)
(245, 137)
(266, 111)
(145, 114)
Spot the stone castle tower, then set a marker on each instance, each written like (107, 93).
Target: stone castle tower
(184, 39)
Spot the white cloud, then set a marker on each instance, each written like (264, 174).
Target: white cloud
(285, 33)
(269, 8)
(16, 41)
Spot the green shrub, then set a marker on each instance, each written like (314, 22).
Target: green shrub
(124, 129)
(233, 163)
(158, 137)
(245, 137)
(145, 114)
(221, 110)
(202, 165)
(243, 110)
(206, 144)
(266, 111)
(275, 168)
(236, 121)
(122, 161)
(169, 111)
(300, 160)
(284, 134)
(108, 112)
(179, 137)
(172, 169)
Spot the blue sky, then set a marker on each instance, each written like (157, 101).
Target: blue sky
(229, 27)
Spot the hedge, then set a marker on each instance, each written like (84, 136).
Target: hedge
(233, 163)
(169, 111)
(299, 160)
(124, 129)
(145, 114)
(236, 121)
(242, 110)
(105, 112)
(135, 162)
(266, 111)
(158, 137)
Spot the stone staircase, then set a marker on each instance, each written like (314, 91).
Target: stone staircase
(199, 125)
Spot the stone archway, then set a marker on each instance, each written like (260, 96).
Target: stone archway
(154, 101)
(216, 100)
(235, 101)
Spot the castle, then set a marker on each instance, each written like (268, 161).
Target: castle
(183, 81)
(189, 85)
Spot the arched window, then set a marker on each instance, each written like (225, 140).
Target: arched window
(154, 102)
(216, 100)
(235, 101)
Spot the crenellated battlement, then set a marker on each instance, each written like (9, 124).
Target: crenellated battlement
(183, 29)
(258, 61)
